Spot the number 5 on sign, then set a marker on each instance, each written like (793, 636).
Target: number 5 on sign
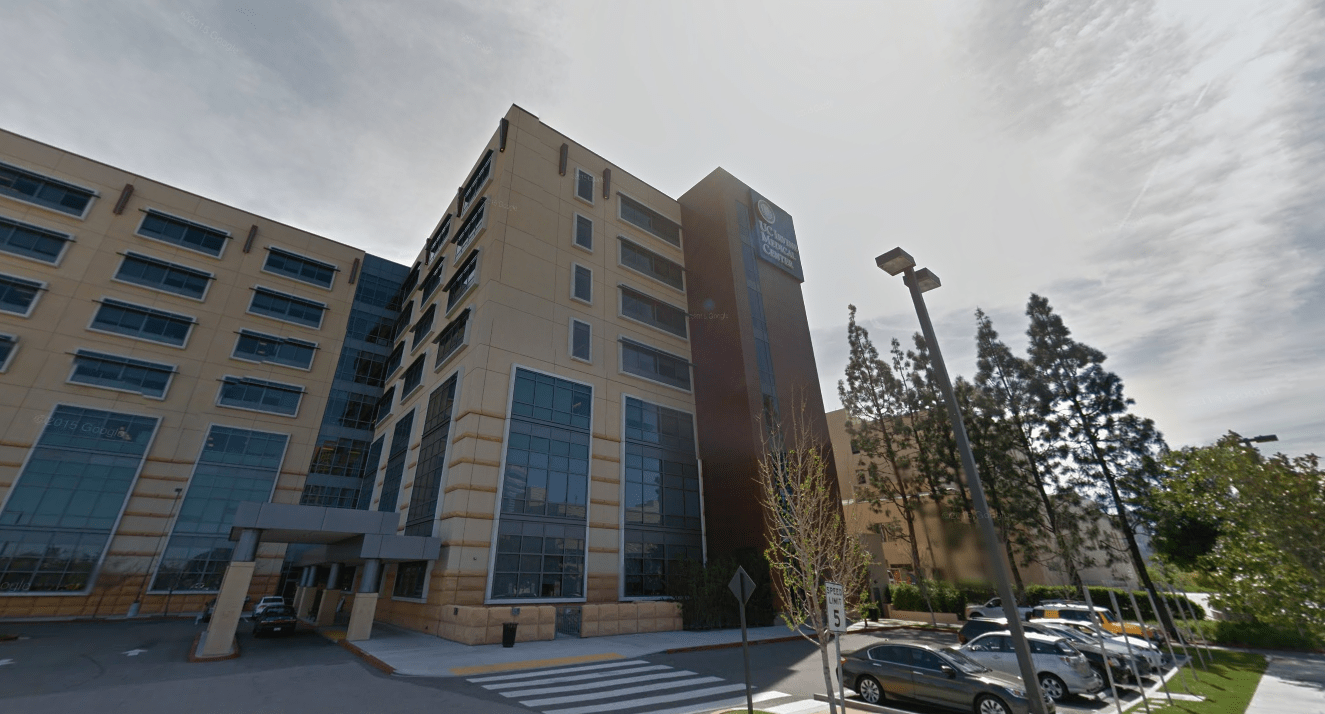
(837, 621)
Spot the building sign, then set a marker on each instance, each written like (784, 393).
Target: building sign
(775, 237)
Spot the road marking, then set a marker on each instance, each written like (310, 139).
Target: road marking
(720, 705)
(559, 670)
(648, 701)
(532, 664)
(134, 652)
(599, 684)
(575, 678)
(622, 692)
(4, 662)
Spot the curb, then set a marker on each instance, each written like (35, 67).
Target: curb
(793, 638)
(375, 662)
(193, 651)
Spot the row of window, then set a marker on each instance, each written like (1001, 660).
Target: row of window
(631, 211)
(634, 256)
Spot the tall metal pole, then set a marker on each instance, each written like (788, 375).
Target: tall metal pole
(1162, 681)
(745, 647)
(1168, 641)
(1127, 640)
(1164, 600)
(1108, 669)
(990, 537)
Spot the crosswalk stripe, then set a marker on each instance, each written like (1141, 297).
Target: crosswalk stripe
(801, 707)
(711, 706)
(647, 701)
(559, 670)
(577, 677)
(622, 692)
(582, 686)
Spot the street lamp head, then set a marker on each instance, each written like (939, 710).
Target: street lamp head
(925, 279)
(895, 261)
(1261, 439)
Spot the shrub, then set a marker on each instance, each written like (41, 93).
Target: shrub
(1263, 635)
(707, 603)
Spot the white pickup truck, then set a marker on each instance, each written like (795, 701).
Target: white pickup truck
(994, 608)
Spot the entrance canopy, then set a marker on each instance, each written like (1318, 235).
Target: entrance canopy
(345, 535)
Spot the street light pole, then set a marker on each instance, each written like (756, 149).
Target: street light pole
(898, 261)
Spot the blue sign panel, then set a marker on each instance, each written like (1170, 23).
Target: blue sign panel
(775, 236)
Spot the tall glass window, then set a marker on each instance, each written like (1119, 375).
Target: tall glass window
(545, 490)
(662, 496)
(235, 465)
(432, 460)
(395, 463)
(59, 517)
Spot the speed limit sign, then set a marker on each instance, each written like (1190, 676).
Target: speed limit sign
(837, 619)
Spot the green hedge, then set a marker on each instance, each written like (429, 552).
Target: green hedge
(1258, 634)
(707, 603)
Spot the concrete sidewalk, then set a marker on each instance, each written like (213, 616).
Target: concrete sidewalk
(1292, 683)
(416, 654)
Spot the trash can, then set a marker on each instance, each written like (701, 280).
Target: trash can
(508, 633)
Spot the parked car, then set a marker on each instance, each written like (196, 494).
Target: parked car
(940, 676)
(1101, 616)
(994, 608)
(275, 619)
(979, 626)
(1061, 668)
(1148, 651)
(1099, 656)
(266, 602)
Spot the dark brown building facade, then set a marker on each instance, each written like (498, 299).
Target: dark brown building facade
(750, 344)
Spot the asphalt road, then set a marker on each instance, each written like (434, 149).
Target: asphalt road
(141, 668)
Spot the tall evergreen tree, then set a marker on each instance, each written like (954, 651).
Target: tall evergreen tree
(939, 462)
(1008, 381)
(876, 401)
(1111, 452)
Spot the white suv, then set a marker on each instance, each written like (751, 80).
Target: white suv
(1061, 668)
(266, 602)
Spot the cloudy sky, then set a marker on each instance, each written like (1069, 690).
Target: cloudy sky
(1154, 168)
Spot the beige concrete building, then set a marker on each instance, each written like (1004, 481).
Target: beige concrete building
(948, 550)
(162, 358)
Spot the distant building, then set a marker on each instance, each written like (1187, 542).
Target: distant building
(560, 398)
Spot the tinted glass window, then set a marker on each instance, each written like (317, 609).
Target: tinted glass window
(160, 275)
(182, 233)
(31, 241)
(287, 307)
(17, 294)
(300, 268)
(43, 191)
(925, 659)
(142, 322)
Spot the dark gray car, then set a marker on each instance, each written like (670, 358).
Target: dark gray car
(940, 676)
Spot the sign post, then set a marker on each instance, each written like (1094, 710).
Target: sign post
(837, 624)
(742, 587)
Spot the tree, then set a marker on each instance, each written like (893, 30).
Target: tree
(876, 401)
(1105, 448)
(808, 540)
(1008, 382)
(1266, 558)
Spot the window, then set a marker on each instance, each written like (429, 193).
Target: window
(538, 560)
(582, 285)
(19, 295)
(287, 307)
(402, 321)
(163, 276)
(144, 323)
(58, 519)
(362, 367)
(584, 185)
(434, 279)
(424, 326)
(465, 277)
(122, 373)
(384, 404)
(413, 376)
(472, 227)
(394, 359)
(43, 191)
(584, 232)
(350, 464)
(432, 460)
(351, 410)
(651, 264)
(257, 347)
(452, 337)
(662, 496)
(377, 291)
(411, 579)
(439, 236)
(8, 346)
(580, 340)
(185, 234)
(641, 216)
(411, 280)
(314, 272)
(653, 312)
(260, 395)
(31, 241)
(395, 463)
(477, 180)
(235, 465)
(369, 328)
(656, 365)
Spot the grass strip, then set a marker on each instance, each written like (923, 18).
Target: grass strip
(1227, 685)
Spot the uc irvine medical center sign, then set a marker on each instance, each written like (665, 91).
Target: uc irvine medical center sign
(775, 237)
